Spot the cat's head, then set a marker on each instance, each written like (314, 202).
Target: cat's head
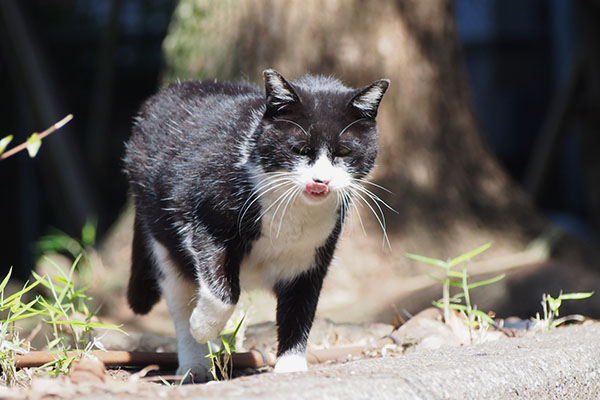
(318, 131)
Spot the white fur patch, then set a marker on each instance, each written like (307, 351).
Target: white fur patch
(291, 362)
(288, 241)
(209, 316)
(278, 89)
(180, 294)
(324, 171)
(369, 100)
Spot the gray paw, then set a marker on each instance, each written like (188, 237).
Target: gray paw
(197, 373)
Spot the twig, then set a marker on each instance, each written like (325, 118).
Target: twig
(250, 359)
(41, 136)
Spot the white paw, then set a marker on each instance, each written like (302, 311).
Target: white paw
(203, 328)
(291, 363)
(209, 316)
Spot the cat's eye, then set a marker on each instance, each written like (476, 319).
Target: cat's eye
(302, 150)
(343, 152)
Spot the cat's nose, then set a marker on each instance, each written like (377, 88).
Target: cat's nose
(323, 181)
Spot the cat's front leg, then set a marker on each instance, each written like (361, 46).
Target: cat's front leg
(209, 315)
(296, 305)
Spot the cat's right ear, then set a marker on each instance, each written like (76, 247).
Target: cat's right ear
(280, 92)
(367, 100)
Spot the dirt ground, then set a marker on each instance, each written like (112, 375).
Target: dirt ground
(363, 299)
(559, 364)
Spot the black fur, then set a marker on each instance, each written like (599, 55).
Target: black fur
(188, 162)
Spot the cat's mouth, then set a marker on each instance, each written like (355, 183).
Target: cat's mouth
(316, 190)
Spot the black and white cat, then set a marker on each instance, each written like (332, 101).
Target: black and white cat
(237, 189)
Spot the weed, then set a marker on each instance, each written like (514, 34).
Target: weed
(474, 318)
(64, 310)
(13, 309)
(221, 362)
(182, 380)
(551, 309)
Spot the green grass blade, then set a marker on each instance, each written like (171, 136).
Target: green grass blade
(84, 324)
(226, 346)
(456, 274)
(5, 280)
(467, 256)
(19, 294)
(575, 296)
(486, 282)
(455, 283)
(427, 260)
(235, 331)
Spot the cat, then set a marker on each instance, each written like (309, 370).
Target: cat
(239, 188)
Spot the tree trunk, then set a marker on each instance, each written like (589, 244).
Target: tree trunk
(450, 193)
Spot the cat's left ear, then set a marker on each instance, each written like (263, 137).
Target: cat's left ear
(279, 91)
(367, 100)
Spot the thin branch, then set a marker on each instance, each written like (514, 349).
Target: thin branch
(41, 136)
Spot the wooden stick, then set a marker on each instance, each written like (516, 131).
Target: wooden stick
(251, 359)
(41, 136)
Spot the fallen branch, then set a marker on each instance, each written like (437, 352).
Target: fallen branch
(251, 359)
(41, 136)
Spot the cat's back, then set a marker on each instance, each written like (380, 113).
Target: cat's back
(193, 108)
(192, 122)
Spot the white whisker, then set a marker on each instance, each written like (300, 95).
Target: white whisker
(281, 200)
(352, 203)
(349, 125)
(373, 196)
(291, 199)
(266, 185)
(372, 184)
(374, 200)
(380, 219)
(293, 123)
(274, 203)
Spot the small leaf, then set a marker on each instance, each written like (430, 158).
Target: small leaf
(575, 296)
(554, 304)
(226, 346)
(4, 142)
(88, 233)
(33, 145)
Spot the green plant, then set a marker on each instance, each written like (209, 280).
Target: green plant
(551, 309)
(221, 361)
(57, 241)
(181, 381)
(474, 318)
(13, 309)
(64, 310)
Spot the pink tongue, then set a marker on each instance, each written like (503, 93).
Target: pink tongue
(317, 188)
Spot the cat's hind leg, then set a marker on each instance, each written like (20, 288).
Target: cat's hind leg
(143, 290)
(181, 294)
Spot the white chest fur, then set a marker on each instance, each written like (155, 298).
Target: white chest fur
(287, 247)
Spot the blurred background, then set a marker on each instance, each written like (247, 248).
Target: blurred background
(519, 79)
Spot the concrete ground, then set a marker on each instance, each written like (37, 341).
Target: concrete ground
(561, 364)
